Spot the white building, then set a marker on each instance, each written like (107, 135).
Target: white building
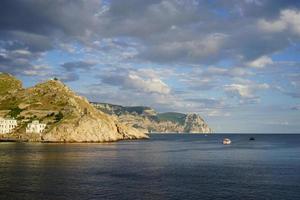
(7, 125)
(35, 127)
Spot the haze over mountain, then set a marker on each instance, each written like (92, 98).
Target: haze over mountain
(234, 62)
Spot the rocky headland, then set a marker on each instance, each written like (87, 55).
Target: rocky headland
(69, 117)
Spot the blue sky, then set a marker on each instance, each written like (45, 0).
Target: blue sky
(234, 62)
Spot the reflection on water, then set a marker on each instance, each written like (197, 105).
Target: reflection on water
(164, 167)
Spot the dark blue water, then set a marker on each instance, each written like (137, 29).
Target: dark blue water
(164, 167)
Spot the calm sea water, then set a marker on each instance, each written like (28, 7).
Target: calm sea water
(164, 167)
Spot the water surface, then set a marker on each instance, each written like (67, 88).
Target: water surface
(164, 167)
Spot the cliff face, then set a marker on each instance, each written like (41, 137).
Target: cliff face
(69, 117)
(195, 124)
(148, 120)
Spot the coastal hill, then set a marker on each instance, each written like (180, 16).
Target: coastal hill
(69, 117)
(147, 119)
(9, 84)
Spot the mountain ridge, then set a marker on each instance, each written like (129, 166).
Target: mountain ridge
(148, 120)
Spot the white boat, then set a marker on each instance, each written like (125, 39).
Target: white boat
(226, 141)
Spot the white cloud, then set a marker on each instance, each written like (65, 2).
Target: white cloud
(156, 85)
(37, 70)
(218, 113)
(233, 72)
(245, 92)
(289, 20)
(261, 62)
(276, 26)
(144, 80)
(22, 52)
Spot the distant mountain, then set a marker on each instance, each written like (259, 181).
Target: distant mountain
(69, 117)
(119, 110)
(148, 120)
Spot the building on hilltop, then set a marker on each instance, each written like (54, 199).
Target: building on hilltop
(7, 125)
(35, 127)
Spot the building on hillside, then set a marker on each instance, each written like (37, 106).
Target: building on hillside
(35, 127)
(7, 125)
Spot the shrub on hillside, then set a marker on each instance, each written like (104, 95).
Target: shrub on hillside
(14, 112)
(59, 116)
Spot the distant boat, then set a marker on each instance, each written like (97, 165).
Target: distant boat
(252, 138)
(226, 141)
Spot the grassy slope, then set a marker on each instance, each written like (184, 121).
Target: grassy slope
(172, 116)
(168, 116)
(8, 84)
(119, 110)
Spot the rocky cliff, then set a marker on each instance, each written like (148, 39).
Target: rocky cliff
(147, 119)
(69, 117)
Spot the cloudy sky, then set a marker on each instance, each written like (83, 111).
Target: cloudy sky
(235, 62)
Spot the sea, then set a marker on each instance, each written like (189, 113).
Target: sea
(167, 166)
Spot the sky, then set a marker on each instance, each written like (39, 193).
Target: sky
(234, 62)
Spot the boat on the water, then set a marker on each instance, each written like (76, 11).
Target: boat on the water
(252, 138)
(226, 141)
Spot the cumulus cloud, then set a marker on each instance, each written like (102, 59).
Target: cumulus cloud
(45, 18)
(232, 72)
(212, 77)
(36, 70)
(166, 31)
(246, 93)
(289, 20)
(218, 113)
(260, 62)
(272, 26)
(33, 27)
(18, 61)
(136, 80)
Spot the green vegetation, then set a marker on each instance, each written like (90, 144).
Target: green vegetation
(19, 118)
(137, 109)
(9, 103)
(50, 114)
(14, 112)
(172, 116)
(59, 116)
(120, 110)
